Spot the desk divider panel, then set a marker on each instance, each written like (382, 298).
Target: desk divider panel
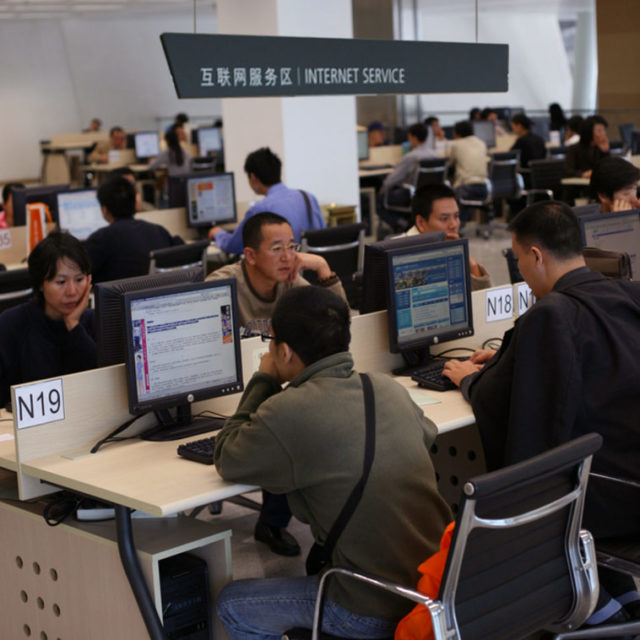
(78, 138)
(13, 256)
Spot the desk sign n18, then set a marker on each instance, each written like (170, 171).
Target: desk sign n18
(229, 66)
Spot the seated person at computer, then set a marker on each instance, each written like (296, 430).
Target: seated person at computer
(271, 265)
(614, 183)
(581, 158)
(377, 132)
(117, 142)
(490, 115)
(468, 160)
(572, 132)
(121, 250)
(530, 145)
(435, 208)
(287, 442)
(94, 125)
(174, 157)
(301, 209)
(434, 123)
(129, 174)
(53, 334)
(570, 365)
(395, 188)
(6, 215)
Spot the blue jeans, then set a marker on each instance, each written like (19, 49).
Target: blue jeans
(264, 609)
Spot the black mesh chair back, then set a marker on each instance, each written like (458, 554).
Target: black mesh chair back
(515, 562)
(625, 133)
(512, 265)
(547, 173)
(343, 248)
(431, 171)
(617, 147)
(556, 152)
(15, 288)
(506, 182)
(184, 256)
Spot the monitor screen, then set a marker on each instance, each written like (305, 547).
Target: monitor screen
(211, 200)
(147, 144)
(110, 308)
(486, 131)
(374, 273)
(429, 296)
(182, 345)
(363, 145)
(30, 195)
(615, 232)
(209, 139)
(79, 213)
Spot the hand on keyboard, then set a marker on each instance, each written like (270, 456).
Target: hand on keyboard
(431, 375)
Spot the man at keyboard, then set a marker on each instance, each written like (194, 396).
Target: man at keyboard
(307, 441)
(570, 366)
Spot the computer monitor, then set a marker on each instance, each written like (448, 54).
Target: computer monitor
(374, 272)
(182, 345)
(46, 194)
(540, 125)
(615, 232)
(146, 144)
(209, 140)
(110, 308)
(210, 199)
(486, 131)
(429, 293)
(79, 212)
(363, 145)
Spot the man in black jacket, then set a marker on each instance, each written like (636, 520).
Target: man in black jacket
(570, 365)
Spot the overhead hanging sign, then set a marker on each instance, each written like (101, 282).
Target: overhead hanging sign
(228, 66)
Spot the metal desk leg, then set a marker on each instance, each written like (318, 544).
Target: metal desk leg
(131, 566)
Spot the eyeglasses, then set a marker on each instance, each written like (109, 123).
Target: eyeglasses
(277, 250)
(265, 337)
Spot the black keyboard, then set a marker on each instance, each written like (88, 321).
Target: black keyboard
(430, 376)
(198, 450)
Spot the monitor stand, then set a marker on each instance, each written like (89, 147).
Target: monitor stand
(182, 426)
(414, 359)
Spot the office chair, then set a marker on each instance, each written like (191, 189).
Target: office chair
(625, 133)
(184, 256)
(518, 562)
(483, 203)
(612, 264)
(512, 265)
(15, 288)
(343, 248)
(546, 178)
(556, 152)
(617, 147)
(203, 163)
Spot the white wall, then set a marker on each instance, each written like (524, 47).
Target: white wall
(58, 74)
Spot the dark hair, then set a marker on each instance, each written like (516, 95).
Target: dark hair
(574, 123)
(181, 118)
(8, 188)
(474, 113)
(463, 128)
(173, 143)
(425, 196)
(120, 172)
(114, 130)
(252, 227)
(612, 174)
(118, 195)
(486, 112)
(313, 321)
(265, 165)
(430, 120)
(586, 129)
(419, 131)
(523, 120)
(556, 116)
(43, 260)
(551, 225)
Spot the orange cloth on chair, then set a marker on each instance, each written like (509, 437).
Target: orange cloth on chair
(416, 625)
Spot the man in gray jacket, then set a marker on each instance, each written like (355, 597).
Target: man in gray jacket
(307, 441)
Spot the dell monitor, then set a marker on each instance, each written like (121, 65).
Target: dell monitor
(79, 213)
(429, 291)
(182, 345)
(374, 273)
(210, 200)
(209, 141)
(110, 308)
(146, 144)
(363, 145)
(615, 232)
(46, 194)
(486, 131)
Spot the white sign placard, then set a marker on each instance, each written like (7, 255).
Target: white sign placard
(499, 304)
(525, 297)
(38, 403)
(5, 239)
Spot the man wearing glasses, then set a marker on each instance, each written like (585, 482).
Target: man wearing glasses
(271, 266)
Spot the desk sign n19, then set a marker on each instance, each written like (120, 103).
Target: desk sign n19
(229, 66)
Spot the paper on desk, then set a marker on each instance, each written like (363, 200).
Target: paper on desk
(6, 436)
(421, 397)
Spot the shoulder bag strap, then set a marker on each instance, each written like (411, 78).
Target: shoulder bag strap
(369, 452)
(308, 203)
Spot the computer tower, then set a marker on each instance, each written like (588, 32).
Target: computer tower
(184, 587)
